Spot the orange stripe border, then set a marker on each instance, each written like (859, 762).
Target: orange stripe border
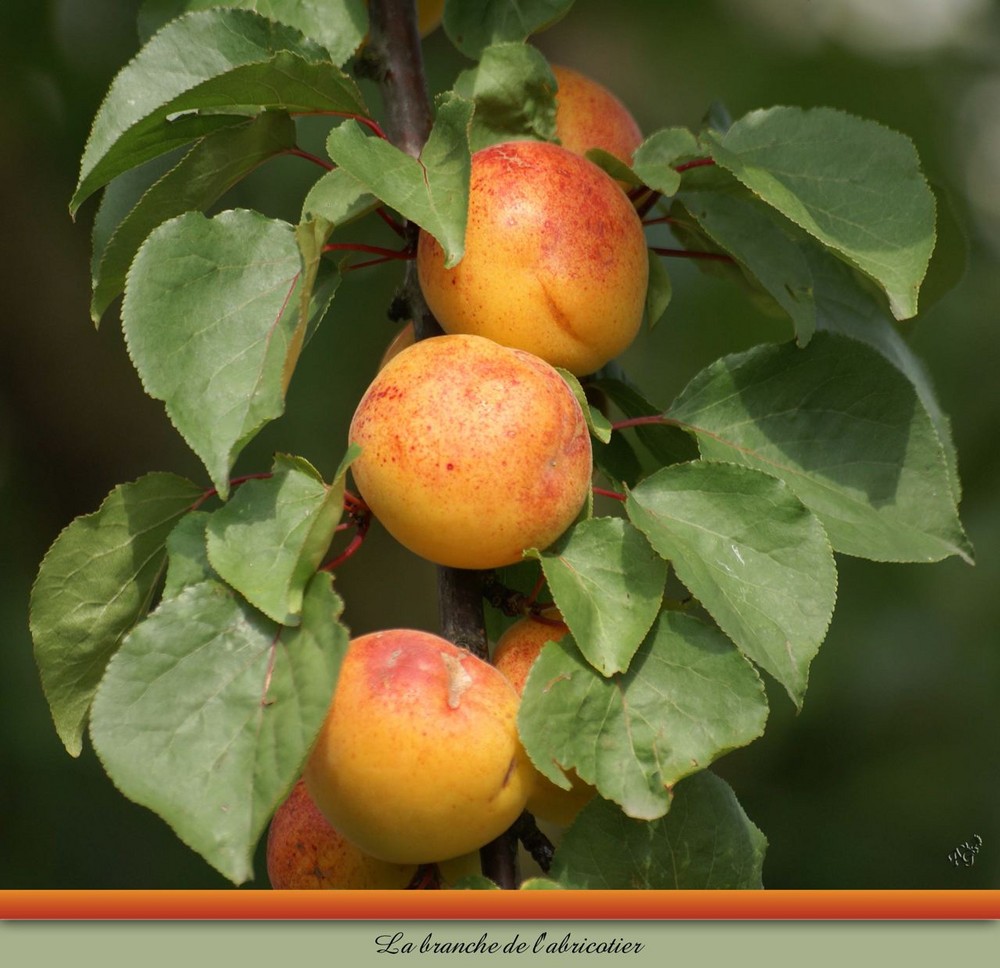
(499, 905)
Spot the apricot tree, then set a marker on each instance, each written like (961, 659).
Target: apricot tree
(193, 627)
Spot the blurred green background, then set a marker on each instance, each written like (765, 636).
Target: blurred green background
(892, 763)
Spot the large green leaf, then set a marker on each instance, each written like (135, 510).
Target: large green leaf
(471, 27)
(706, 842)
(751, 553)
(814, 287)
(760, 238)
(608, 584)
(432, 191)
(853, 184)
(270, 538)
(210, 317)
(208, 710)
(687, 698)
(207, 70)
(846, 431)
(514, 92)
(94, 584)
(339, 25)
(211, 167)
(845, 306)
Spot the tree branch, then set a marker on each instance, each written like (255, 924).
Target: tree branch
(394, 58)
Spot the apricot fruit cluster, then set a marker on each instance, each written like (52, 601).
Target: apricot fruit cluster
(473, 449)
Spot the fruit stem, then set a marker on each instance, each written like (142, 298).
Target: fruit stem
(309, 156)
(655, 418)
(695, 163)
(692, 254)
(234, 483)
(605, 493)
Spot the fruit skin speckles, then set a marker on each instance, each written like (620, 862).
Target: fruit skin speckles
(555, 258)
(472, 486)
(393, 767)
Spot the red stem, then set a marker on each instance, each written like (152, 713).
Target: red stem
(369, 123)
(315, 159)
(697, 163)
(655, 418)
(235, 482)
(391, 222)
(692, 254)
(373, 249)
(605, 493)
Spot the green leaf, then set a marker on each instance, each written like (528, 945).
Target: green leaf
(667, 444)
(706, 842)
(210, 313)
(845, 306)
(212, 167)
(339, 25)
(514, 92)
(758, 561)
(541, 884)
(655, 159)
(614, 166)
(617, 461)
(432, 191)
(270, 538)
(204, 71)
(338, 197)
(659, 290)
(597, 423)
(94, 584)
(851, 183)
(608, 584)
(687, 698)
(474, 882)
(318, 283)
(471, 27)
(845, 430)
(762, 240)
(208, 710)
(187, 554)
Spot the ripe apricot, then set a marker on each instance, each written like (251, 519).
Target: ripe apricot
(555, 258)
(304, 852)
(471, 452)
(418, 759)
(589, 116)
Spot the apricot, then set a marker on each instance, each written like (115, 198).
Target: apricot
(471, 453)
(589, 116)
(304, 852)
(515, 653)
(555, 258)
(418, 759)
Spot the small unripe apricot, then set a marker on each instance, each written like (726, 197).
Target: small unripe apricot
(589, 116)
(418, 759)
(555, 258)
(471, 453)
(515, 653)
